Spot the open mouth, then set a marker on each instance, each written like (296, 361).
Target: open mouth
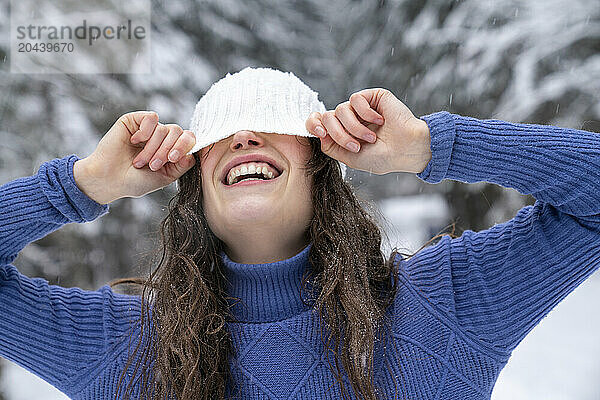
(251, 171)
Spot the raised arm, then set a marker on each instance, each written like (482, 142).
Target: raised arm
(496, 284)
(68, 337)
(499, 283)
(34, 206)
(53, 332)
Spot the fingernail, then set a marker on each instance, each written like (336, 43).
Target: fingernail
(138, 164)
(379, 121)
(370, 138)
(319, 131)
(174, 156)
(156, 164)
(353, 147)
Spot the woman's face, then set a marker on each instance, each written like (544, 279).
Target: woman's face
(276, 205)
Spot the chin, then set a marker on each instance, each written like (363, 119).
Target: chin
(252, 210)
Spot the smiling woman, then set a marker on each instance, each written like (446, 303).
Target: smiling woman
(222, 230)
(270, 281)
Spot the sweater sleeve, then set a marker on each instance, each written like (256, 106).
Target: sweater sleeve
(34, 206)
(499, 283)
(59, 334)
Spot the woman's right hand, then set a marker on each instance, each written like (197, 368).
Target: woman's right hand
(135, 157)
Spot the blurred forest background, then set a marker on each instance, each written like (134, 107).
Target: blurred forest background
(534, 61)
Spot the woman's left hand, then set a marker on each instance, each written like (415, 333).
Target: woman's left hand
(388, 137)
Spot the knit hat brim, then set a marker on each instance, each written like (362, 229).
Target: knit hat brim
(254, 99)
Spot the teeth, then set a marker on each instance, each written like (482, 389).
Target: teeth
(249, 169)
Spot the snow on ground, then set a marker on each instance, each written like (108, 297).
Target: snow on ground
(558, 360)
(19, 384)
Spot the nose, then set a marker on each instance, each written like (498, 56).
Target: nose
(245, 140)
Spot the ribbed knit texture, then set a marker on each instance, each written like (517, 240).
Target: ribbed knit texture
(254, 99)
(462, 307)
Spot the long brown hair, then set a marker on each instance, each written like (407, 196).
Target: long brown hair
(189, 346)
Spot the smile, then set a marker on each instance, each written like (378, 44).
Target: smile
(252, 180)
(251, 170)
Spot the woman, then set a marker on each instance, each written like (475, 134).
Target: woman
(271, 282)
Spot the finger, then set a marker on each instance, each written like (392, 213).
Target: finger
(337, 132)
(133, 120)
(335, 151)
(184, 144)
(142, 125)
(345, 114)
(159, 134)
(314, 125)
(332, 149)
(361, 106)
(160, 157)
(176, 170)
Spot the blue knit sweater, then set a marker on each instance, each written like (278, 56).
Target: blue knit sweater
(464, 304)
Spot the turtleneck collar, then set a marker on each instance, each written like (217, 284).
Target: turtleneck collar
(268, 292)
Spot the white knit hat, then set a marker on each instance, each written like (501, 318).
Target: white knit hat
(254, 99)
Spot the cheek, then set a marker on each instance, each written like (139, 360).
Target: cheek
(299, 150)
(208, 193)
(307, 191)
(207, 169)
(207, 184)
(209, 207)
(299, 155)
(302, 195)
(303, 209)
